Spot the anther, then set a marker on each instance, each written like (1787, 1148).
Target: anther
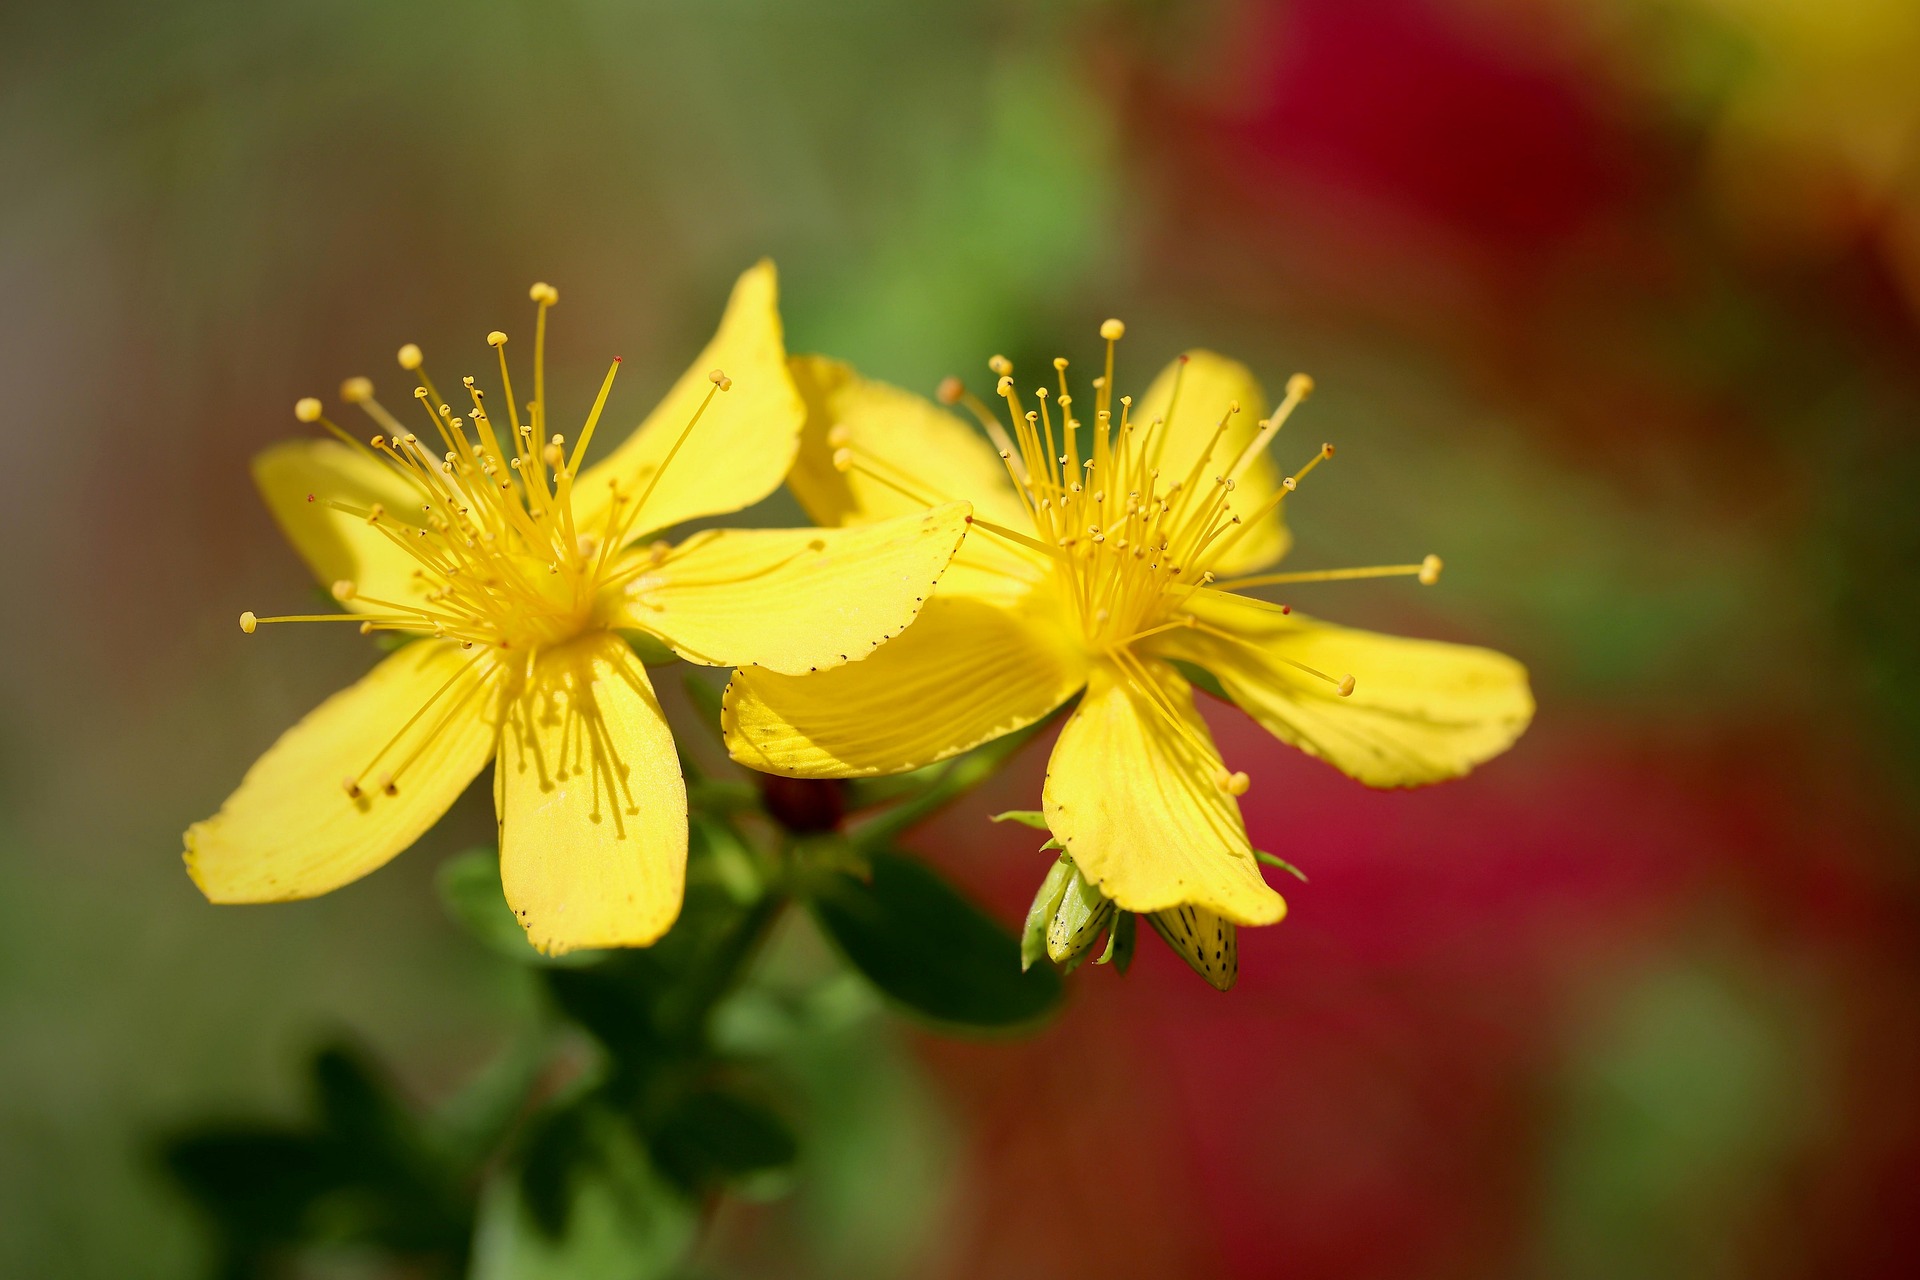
(1112, 330)
(410, 357)
(248, 622)
(1234, 784)
(950, 390)
(719, 378)
(544, 293)
(344, 590)
(352, 787)
(1299, 386)
(1006, 385)
(1430, 571)
(1000, 365)
(355, 390)
(839, 435)
(495, 339)
(307, 409)
(1059, 364)
(1290, 484)
(1346, 686)
(843, 459)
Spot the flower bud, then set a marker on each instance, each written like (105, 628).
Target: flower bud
(1033, 938)
(1076, 925)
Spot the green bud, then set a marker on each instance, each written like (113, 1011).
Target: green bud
(1033, 938)
(1076, 926)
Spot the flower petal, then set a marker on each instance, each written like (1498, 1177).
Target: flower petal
(745, 440)
(796, 600)
(1137, 806)
(425, 715)
(1207, 386)
(905, 436)
(964, 673)
(1421, 711)
(593, 814)
(299, 478)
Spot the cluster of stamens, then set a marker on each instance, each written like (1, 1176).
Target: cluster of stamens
(501, 561)
(1131, 541)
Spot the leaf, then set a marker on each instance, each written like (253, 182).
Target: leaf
(622, 1220)
(1281, 863)
(920, 942)
(469, 885)
(712, 1137)
(1126, 938)
(1026, 817)
(1201, 679)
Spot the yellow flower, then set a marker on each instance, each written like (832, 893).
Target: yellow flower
(519, 571)
(1111, 558)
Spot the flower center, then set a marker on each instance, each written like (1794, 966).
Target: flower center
(500, 559)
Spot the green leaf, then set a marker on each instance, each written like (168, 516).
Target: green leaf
(1201, 679)
(1125, 938)
(1026, 817)
(711, 1137)
(927, 947)
(706, 699)
(469, 885)
(1281, 863)
(621, 1219)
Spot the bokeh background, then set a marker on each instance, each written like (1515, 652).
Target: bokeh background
(1614, 303)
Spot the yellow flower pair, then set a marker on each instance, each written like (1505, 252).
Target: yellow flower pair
(1093, 554)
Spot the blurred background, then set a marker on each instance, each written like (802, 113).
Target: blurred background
(1613, 303)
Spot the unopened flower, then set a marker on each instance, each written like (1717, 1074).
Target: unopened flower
(478, 535)
(1117, 540)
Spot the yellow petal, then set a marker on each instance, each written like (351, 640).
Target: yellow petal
(964, 673)
(1421, 711)
(425, 715)
(299, 478)
(744, 442)
(1209, 384)
(593, 814)
(796, 600)
(1136, 803)
(902, 436)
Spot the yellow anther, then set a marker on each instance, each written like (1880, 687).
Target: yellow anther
(1346, 686)
(1233, 406)
(1059, 364)
(248, 622)
(1000, 365)
(839, 435)
(1430, 571)
(494, 339)
(1326, 450)
(950, 390)
(351, 786)
(544, 294)
(410, 357)
(1112, 330)
(1234, 784)
(1290, 484)
(307, 409)
(344, 590)
(355, 390)
(719, 378)
(843, 459)
(1006, 385)
(1299, 386)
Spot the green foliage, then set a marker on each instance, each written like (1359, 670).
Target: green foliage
(551, 1164)
(930, 949)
